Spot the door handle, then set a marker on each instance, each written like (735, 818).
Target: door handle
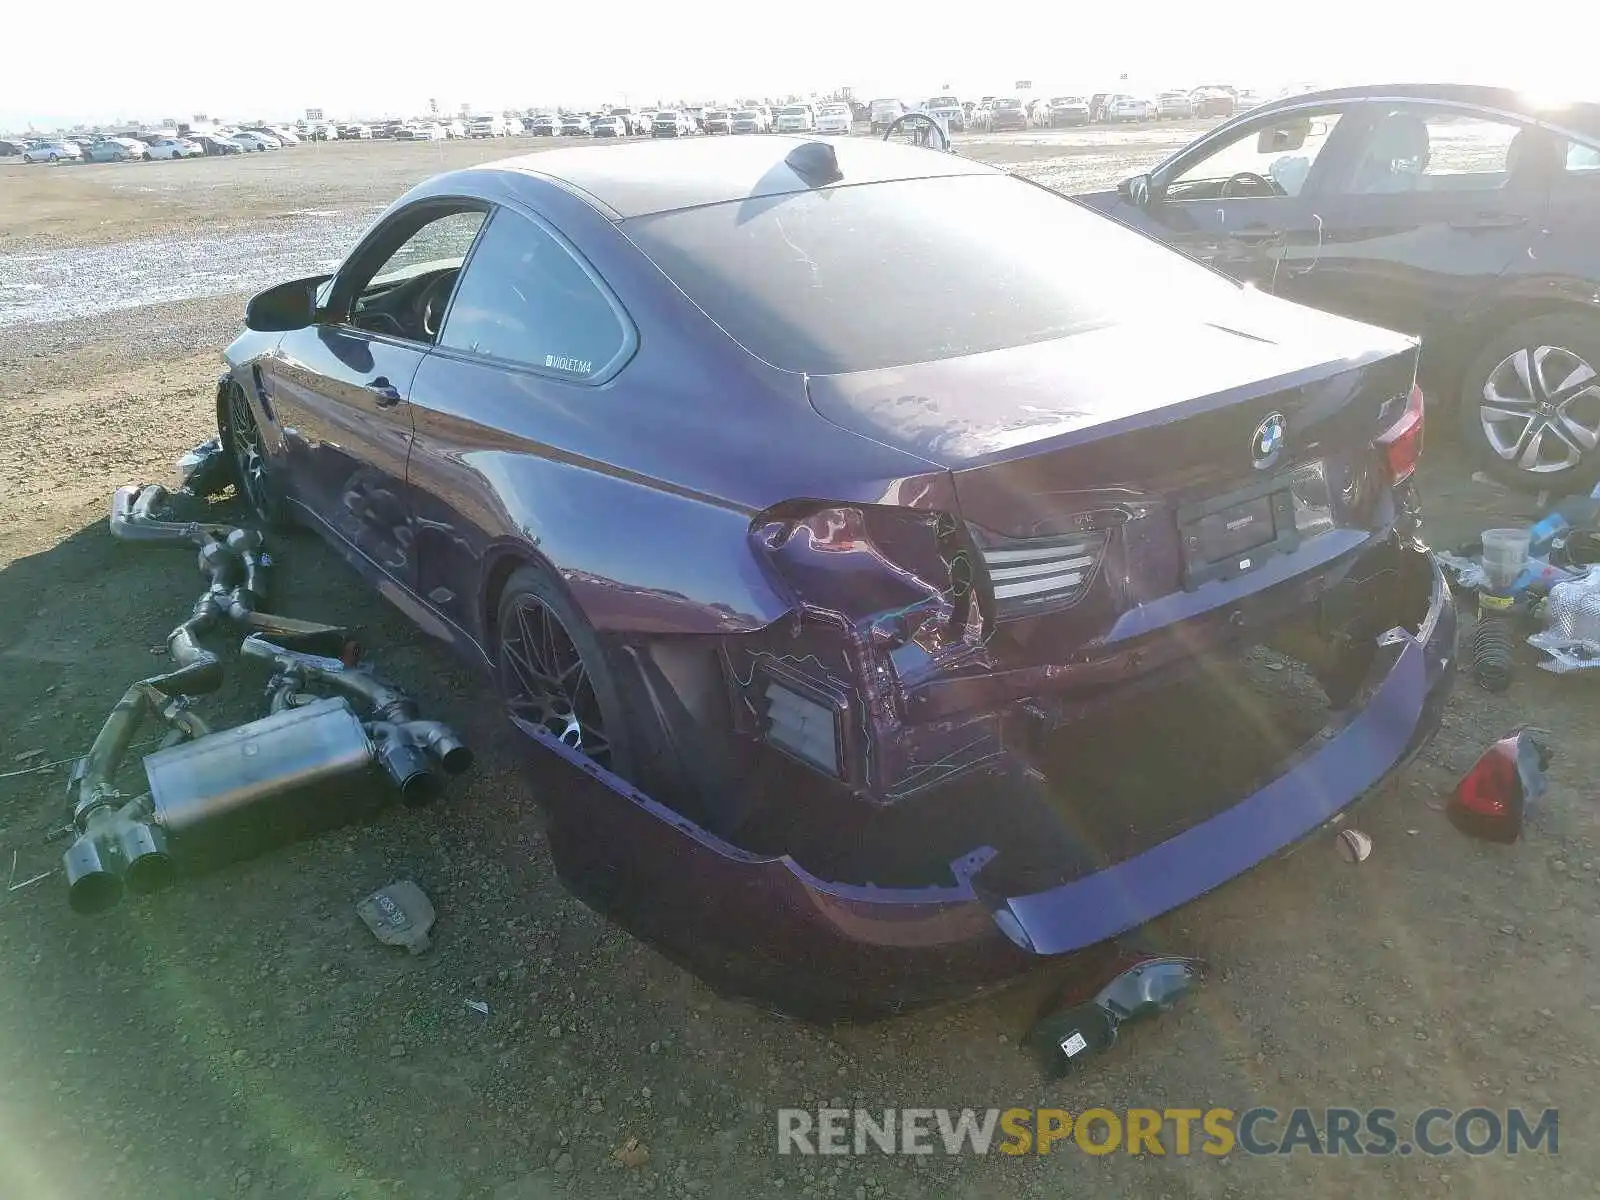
(1489, 220)
(384, 393)
(1252, 235)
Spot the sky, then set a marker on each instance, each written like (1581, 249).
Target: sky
(366, 60)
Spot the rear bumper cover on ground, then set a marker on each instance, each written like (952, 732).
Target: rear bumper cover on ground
(764, 928)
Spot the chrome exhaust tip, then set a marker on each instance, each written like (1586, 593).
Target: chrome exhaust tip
(150, 867)
(92, 885)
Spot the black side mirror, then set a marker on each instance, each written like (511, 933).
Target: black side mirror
(287, 306)
(1136, 190)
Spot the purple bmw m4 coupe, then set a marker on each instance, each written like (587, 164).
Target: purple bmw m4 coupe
(807, 502)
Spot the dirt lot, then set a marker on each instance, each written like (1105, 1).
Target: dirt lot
(244, 1035)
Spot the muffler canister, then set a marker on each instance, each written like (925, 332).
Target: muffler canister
(264, 780)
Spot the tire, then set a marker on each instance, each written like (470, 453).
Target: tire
(240, 433)
(1560, 354)
(55, 158)
(145, 157)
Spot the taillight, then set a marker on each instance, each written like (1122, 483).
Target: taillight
(1401, 443)
(1490, 800)
(1032, 576)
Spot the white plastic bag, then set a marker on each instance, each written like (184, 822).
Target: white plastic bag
(1571, 635)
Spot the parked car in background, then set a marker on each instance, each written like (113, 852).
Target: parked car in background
(214, 144)
(884, 112)
(487, 127)
(574, 125)
(835, 118)
(1174, 106)
(630, 119)
(421, 131)
(806, 580)
(1097, 106)
(717, 120)
(1211, 102)
(948, 111)
(11, 146)
(796, 118)
(250, 139)
(355, 130)
(608, 126)
(174, 148)
(748, 120)
(545, 125)
(52, 151)
(515, 127)
(1465, 215)
(1122, 108)
(117, 149)
(1068, 110)
(671, 122)
(1008, 112)
(287, 137)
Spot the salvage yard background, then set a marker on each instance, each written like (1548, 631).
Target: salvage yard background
(245, 1036)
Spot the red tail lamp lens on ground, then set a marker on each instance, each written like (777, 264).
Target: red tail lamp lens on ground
(1493, 796)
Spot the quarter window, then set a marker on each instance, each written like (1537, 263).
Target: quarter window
(526, 298)
(1422, 150)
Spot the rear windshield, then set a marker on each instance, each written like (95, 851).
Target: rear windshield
(794, 110)
(879, 275)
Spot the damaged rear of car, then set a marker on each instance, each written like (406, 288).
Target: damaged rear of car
(883, 538)
(1140, 474)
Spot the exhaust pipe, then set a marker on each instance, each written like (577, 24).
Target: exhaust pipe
(255, 785)
(395, 720)
(247, 789)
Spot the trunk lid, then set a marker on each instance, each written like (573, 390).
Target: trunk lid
(1128, 444)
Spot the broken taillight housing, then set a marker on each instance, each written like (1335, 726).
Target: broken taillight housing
(1032, 576)
(1401, 443)
(1490, 800)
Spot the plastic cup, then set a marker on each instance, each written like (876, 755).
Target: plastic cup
(1505, 555)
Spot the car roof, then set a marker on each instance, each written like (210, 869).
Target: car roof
(639, 178)
(1579, 116)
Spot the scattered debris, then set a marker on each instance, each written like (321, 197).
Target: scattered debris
(479, 1007)
(1492, 799)
(632, 1153)
(11, 882)
(399, 915)
(1354, 846)
(1140, 985)
(1571, 636)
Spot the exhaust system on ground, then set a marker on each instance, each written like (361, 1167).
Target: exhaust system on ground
(252, 786)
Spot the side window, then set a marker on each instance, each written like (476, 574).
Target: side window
(1442, 150)
(525, 298)
(404, 292)
(442, 243)
(1264, 160)
(1583, 160)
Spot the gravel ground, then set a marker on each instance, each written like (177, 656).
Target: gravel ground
(244, 1035)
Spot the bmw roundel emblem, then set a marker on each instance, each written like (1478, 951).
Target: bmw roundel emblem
(1266, 447)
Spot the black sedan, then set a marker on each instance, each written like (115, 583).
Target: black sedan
(1463, 214)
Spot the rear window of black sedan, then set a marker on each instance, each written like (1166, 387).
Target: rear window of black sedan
(854, 278)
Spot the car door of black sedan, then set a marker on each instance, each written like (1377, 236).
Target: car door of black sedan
(1425, 217)
(340, 388)
(1245, 200)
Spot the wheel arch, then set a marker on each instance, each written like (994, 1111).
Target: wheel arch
(1443, 371)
